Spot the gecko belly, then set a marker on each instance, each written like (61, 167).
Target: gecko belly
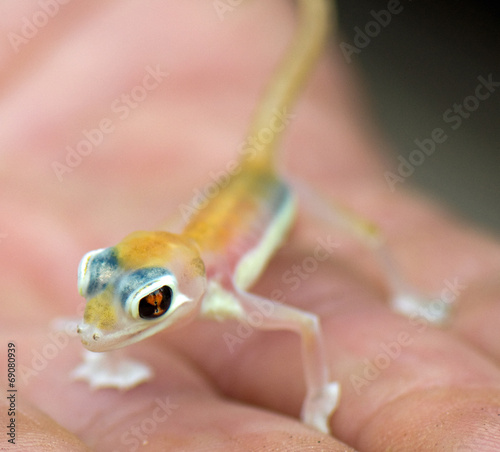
(253, 262)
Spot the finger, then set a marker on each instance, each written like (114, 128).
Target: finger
(177, 409)
(380, 359)
(203, 423)
(477, 314)
(31, 430)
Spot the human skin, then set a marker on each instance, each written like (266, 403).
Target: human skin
(440, 387)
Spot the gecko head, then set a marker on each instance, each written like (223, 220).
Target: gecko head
(148, 282)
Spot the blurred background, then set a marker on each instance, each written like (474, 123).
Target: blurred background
(424, 61)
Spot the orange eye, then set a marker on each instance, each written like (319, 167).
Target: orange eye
(156, 303)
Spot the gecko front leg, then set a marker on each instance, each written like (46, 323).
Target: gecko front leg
(111, 370)
(322, 395)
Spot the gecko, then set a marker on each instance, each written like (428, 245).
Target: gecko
(154, 280)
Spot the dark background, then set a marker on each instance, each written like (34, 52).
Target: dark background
(425, 60)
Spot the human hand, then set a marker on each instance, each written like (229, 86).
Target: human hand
(148, 154)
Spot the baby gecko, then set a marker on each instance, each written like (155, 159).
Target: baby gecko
(154, 280)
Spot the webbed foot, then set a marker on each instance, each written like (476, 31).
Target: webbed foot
(111, 370)
(318, 407)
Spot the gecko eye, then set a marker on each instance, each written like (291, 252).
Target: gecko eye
(156, 303)
(148, 293)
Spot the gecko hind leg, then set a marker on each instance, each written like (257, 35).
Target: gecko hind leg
(322, 395)
(404, 298)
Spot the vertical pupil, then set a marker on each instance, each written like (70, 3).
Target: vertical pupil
(156, 303)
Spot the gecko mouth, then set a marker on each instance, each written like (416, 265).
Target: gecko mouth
(97, 340)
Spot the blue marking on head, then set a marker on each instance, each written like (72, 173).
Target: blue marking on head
(101, 269)
(137, 279)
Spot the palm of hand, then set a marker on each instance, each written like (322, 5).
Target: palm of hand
(404, 382)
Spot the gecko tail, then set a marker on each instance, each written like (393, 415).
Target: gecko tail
(273, 114)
